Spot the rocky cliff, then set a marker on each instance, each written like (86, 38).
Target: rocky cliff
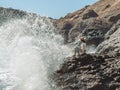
(100, 24)
(111, 43)
(93, 21)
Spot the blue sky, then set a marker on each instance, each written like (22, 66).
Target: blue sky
(50, 8)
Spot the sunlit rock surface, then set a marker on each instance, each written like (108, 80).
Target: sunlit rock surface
(89, 72)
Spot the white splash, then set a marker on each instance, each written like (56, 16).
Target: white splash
(29, 53)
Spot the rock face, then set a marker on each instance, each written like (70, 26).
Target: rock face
(93, 29)
(89, 13)
(100, 24)
(108, 9)
(111, 44)
(115, 27)
(89, 72)
(97, 18)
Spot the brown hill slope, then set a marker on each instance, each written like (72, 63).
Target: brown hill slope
(97, 18)
(109, 9)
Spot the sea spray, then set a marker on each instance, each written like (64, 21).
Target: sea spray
(29, 52)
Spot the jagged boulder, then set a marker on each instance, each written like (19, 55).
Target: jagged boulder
(89, 13)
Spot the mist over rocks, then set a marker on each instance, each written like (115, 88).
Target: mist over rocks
(7, 14)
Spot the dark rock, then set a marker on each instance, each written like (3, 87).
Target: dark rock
(85, 59)
(114, 28)
(89, 14)
(114, 86)
(93, 72)
(111, 45)
(115, 18)
(117, 78)
(107, 79)
(67, 26)
(98, 87)
(65, 30)
(92, 29)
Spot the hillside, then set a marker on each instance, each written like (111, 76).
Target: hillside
(97, 18)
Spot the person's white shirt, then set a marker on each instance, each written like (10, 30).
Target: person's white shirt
(83, 47)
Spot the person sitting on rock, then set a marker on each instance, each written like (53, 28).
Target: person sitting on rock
(80, 47)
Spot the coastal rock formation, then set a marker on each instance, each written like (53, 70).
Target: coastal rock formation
(89, 72)
(111, 44)
(115, 27)
(93, 29)
(108, 9)
(89, 13)
(101, 15)
(100, 25)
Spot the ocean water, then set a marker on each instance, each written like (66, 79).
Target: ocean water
(30, 52)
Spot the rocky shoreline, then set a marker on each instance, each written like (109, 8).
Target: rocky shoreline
(100, 25)
(89, 72)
